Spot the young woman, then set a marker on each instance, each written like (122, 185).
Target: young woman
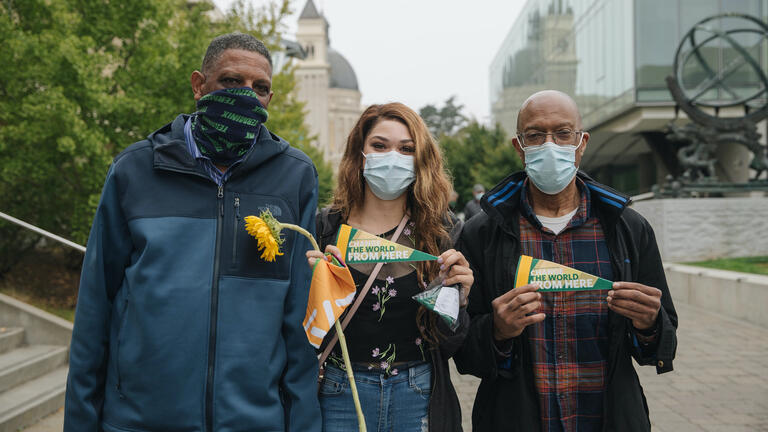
(393, 168)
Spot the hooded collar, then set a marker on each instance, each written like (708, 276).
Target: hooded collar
(503, 203)
(171, 153)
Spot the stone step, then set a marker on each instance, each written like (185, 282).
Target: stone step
(29, 362)
(10, 338)
(27, 403)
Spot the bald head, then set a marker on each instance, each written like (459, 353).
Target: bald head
(547, 104)
(548, 112)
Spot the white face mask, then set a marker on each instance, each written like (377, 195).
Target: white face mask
(388, 174)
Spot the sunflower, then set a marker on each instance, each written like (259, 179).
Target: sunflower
(266, 229)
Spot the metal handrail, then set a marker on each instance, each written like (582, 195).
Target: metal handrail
(43, 232)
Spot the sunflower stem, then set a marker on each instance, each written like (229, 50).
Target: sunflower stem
(350, 376)
(301, 231)
(342, 339)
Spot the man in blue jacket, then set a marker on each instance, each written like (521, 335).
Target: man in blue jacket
(180, 325)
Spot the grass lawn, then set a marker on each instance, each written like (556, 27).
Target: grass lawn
(757, 265)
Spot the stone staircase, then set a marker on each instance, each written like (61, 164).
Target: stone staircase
(34, 357)
(33, 378)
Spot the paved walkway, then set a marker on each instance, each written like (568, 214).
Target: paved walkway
(720, 381)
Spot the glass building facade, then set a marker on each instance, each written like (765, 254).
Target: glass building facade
(613, 56)
(582, 48)
(661, 24)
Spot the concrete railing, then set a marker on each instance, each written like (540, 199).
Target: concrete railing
(738, 295)
(700, 229)
(40, 327)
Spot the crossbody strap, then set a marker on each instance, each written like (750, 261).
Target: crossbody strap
(359, 299)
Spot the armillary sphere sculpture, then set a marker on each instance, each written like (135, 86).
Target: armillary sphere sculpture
(718, 65)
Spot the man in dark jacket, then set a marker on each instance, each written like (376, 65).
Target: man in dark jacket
(562, 361)
(180, 324)
(473, 206)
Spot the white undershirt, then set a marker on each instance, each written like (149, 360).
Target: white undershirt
(556, 224)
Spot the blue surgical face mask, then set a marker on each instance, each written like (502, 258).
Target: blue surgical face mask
(551, 167)
(388, 174)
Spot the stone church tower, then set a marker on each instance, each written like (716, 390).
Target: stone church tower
(328, 85)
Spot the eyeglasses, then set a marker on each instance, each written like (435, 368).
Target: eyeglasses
(561, 137)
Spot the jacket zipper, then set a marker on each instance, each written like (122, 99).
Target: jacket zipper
(117, 351)
(214, 315)
(234, 230)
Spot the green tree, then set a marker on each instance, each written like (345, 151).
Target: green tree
(478, 154)
(444, 120)
(52, 152)
(83, 79)
(499, 157)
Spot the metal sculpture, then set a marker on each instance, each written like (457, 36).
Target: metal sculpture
(711, 64)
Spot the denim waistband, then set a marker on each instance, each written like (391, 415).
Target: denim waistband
(362, 371)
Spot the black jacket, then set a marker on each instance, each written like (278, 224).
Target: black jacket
(444, 407)
(507, 399)
(472, 208)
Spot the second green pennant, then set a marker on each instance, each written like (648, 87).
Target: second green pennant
(359, 247)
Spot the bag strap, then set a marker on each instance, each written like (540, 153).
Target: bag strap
(324, 356)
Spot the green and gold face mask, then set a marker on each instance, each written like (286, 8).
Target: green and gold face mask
(226, 123)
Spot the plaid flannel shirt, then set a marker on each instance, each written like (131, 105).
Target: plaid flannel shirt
(570, 347)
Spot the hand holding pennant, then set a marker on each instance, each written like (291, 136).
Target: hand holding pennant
(358, 247)
(638, 302)
(516, 309)
(331, 291)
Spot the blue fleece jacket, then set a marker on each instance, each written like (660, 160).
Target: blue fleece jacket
(180, 325)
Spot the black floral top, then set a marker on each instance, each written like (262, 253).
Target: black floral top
(384, 333)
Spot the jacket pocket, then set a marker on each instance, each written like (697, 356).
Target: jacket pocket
(117, 349)
(331, 387)
(241, 256)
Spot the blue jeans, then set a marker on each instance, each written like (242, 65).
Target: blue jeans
(395, 404)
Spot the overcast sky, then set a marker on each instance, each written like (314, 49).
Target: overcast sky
(417, 51)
